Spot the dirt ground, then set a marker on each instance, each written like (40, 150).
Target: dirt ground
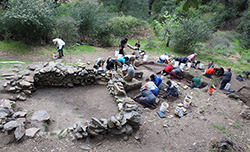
(209, 117)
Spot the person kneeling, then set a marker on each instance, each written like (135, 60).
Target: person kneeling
(146, 97)
(171, 90)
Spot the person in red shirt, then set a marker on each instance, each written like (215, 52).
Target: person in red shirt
(167, 69)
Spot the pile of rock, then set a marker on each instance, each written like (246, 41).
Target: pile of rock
(125, 122)
(52, 74)
(56, 74)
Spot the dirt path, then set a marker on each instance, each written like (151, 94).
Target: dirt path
(210, 117)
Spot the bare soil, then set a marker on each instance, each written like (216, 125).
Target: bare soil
(209, 117)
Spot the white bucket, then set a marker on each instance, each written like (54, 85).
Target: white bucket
(119, 55)
(176, 64)
(227, 87)
(189, 65)
(116, 53)
(182, 65)
(187, 101)
(201, 66)
(145, 58)
(55, 55)
(164, 107)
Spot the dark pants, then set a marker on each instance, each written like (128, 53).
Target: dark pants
(223, 83)
(61, 52)
(121, 51)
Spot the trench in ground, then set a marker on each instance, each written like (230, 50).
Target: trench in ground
(69, 105)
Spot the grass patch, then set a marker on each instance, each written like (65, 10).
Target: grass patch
(221, 128)
(80, 49)
(14, 47)
(52, 133)
(30, 113)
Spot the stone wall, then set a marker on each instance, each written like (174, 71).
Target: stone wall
(60, 75)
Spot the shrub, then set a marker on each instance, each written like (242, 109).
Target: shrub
(124, 25)
(188, 34)
(92, 23)
(29, 21)
(244, 29)
(66, 29)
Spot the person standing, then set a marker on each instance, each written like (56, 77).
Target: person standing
(227, 78)
(122, 45)
(60, 45)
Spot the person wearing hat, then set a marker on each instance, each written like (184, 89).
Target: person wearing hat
(164, 58)
(122, 45)
(60, 44)
(146, 97)
(171, 90)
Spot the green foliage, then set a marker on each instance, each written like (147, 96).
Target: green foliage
(30, 21)
(188, 34)
(136, 8)
(66, 29)
(14, 47)
(124, 25)
(92, 23)
(244, 29)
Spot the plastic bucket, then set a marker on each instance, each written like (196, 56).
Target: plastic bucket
(145, 58)
(187, 101)
(182, 65)
(116, 53)
(55, 55)
(227, 87)
(164, 106)
(176, 64)
(201, 66)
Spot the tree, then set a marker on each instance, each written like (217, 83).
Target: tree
(30, 21)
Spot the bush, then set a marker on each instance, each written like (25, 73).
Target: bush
(188, 34)
(30, 21)
(244, 29)
(66, 29)
(124, 25)
(92, 23)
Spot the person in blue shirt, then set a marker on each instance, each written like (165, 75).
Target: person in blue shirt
(157, 80)
(171, 90)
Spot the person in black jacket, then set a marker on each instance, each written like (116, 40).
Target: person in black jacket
(122, 45)
(227, 78)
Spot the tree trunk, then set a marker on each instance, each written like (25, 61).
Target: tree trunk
(244, 5)
(167, 45)
(120, 6)
(151, 2)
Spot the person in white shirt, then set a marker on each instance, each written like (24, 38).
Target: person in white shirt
(60, 44)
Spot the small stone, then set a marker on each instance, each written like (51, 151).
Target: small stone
(25, 84)
(85, 148)
(40, 115)
(31, 132)
(126, 138)
(129, 129)
(137, 136)
(20, 114)
(10, 125)
(19, 132)
(78, 135)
